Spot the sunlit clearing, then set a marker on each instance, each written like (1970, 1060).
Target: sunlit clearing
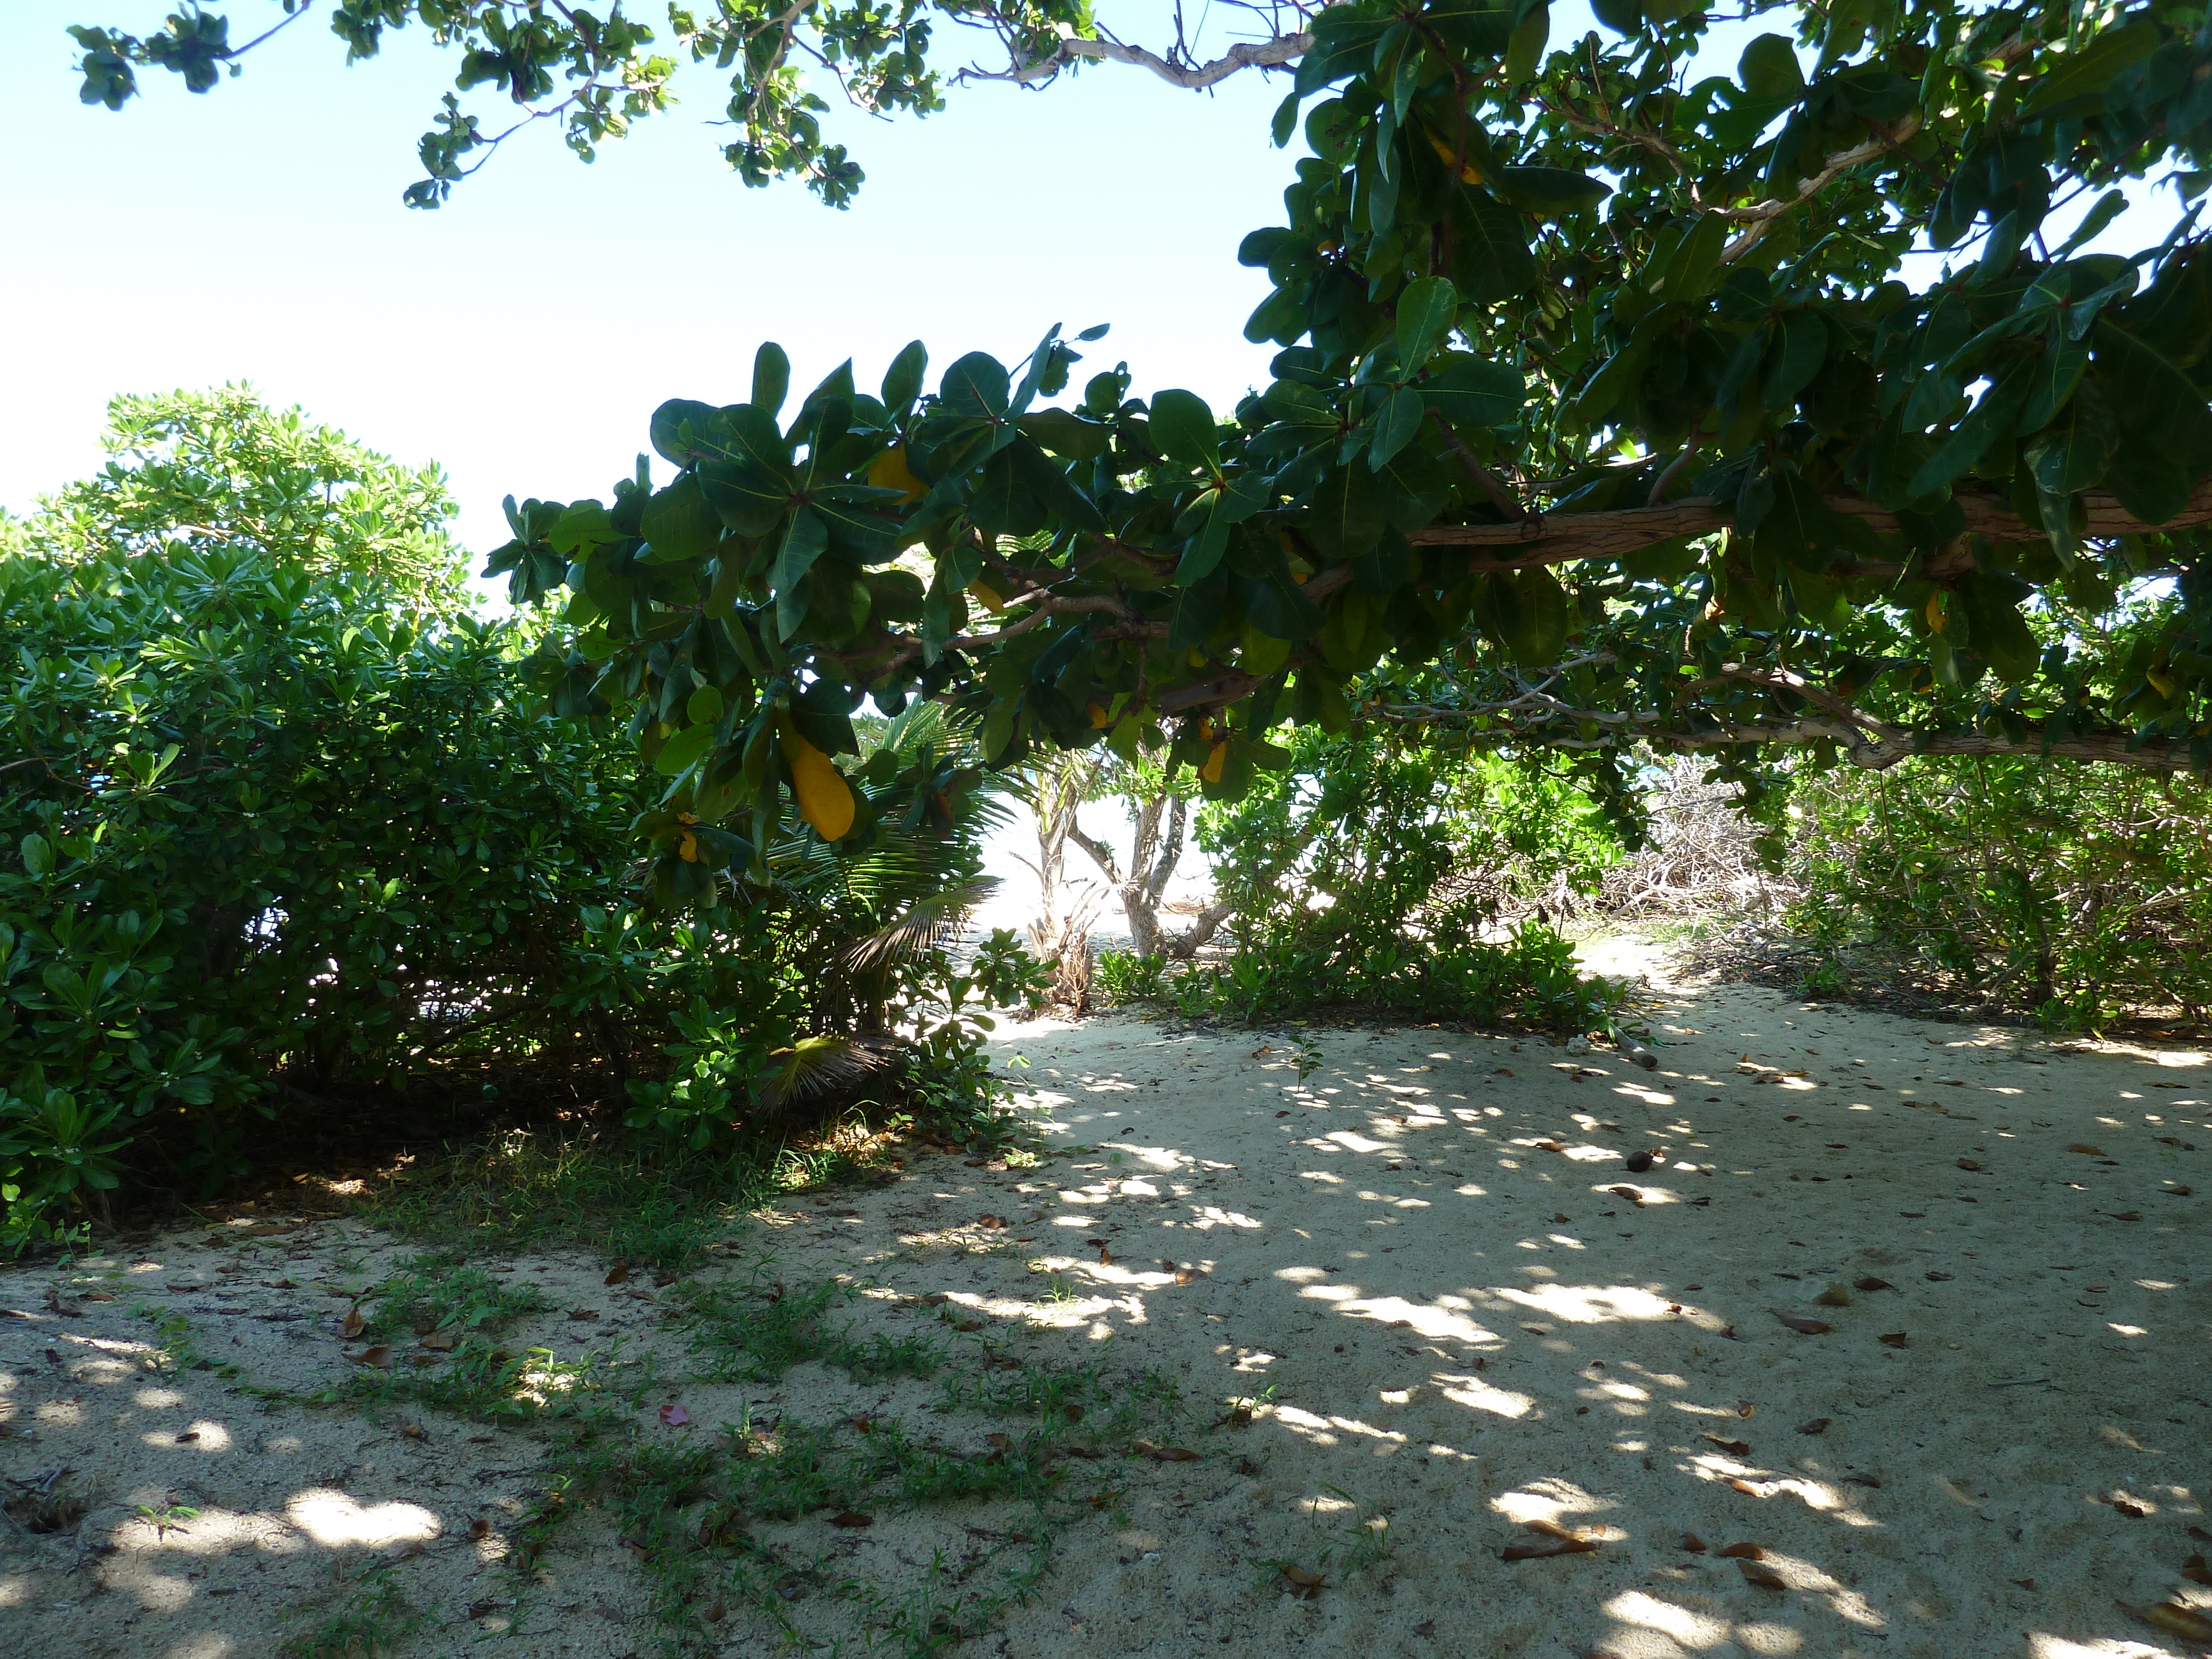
(1479, 1395)
(1769, 1639)
(207, 1437)
(1590, 1304)
(2043, 1646)
(1691, 1629)
(334, 1520)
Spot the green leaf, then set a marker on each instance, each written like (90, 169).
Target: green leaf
(1695, 259)
(680, 750)
(977, 387)
(1183, 430)
(1769, 69)
(771, 378)
(1490, 260)
(1549, 190)
(1798, 528)
(1394, 427)
(1525, 51)
(2053, 380)
(679, 525)
(2084, 75)
(1473, 392)
(903, 380)
(1426, 310)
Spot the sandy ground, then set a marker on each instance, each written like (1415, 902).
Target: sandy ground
(1450, 1307)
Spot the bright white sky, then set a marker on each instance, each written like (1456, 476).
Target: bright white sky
(522, 335)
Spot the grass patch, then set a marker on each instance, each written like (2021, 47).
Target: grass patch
(661, 1209)
(440, 1291)
(372, 1620)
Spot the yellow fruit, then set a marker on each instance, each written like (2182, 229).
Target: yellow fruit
(889, 471)
(1211, 770)
(988, 596)
(825, 799)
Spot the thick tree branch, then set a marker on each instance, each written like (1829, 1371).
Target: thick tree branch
(1246, 54)
(1560, 539)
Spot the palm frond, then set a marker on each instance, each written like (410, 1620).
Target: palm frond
(817, 1066)
(926, 924)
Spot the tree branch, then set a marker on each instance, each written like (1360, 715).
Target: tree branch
(1246, 54)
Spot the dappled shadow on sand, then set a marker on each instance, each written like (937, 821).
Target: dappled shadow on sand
(1894, 1343)
(1835, 1335)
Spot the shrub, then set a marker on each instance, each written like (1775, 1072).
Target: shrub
(285, 822)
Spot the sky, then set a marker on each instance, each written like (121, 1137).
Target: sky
(522, 335)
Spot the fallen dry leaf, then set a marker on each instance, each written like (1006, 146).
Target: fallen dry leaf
(354, 1324)
(1733, 1448)
(2132, 1511)
(2084, 1147)
(1628, 1193)
(673, 1415)
(997, 1442)
(1235, 1417)
(379, 1356)
(991, 1221)
(852, 1518)
(1895, 1338)
(1736, 1483)
(1816, 1425)
(619, 1274)
(2197, 1569)
(102, 1295)
(1969, 1165)
(1694, 1544)
(413, 1431)
(1184, 1276)
(1765, 1577)
(1744, 1553)
(583, 1313)
(1302, 1583)
(1744, 1408)
(1559, 1540)
(1868, 1282)
(967, 1324)
(1166, 1454)
(479, 1529)
(1802, 1326)
(438, 1341)
(1105, 1257)
(2185, 1622)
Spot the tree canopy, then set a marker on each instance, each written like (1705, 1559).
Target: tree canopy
(1625, 395)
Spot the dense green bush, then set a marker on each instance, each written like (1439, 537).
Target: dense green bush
(2073, 894)
(1372, 872)
(281, 822)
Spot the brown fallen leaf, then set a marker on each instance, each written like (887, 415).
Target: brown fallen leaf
(379, 1356)
(967, 1324)
(1802, 1326)
(619, 1274)
(439, 1341)
(1427, 1627)
(2185, 1622)
(266, 1284)
(1765, 1577)
(354, 1324)
(1815, 1425)
(1166, 1454)
(1733, 1448)
(1895, 1338)
(2197, 1569)
(479, 1529)
(1185, 1276)
(102, 1295)
(188, 1436)
(1105, 1257)
(1628, 1193)
(1301, 1582)
(1968, 1164)
(1744, 1553)
(2133, 1511)
(852, 1518)
(1694, 1544)
(1072, 1413)
(1559, 1540)
(1238, 1417)
(1868, 1282)
(2127, 1215)
(583, 1313)
(991, 1221)
(2200, 1535)
(1745, 1409)
(2171, 1189)
(997, 1442)
(2084, 1147)
(1738, 1484)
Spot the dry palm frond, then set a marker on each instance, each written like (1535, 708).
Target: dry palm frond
(926, 924)
(817, 1066)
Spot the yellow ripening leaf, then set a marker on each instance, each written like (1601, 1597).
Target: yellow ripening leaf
(1937, 617)
(889, 471)
(1211, 770)
(825, 799)
(987, 595)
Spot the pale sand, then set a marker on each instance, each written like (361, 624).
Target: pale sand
(1445, 1325)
